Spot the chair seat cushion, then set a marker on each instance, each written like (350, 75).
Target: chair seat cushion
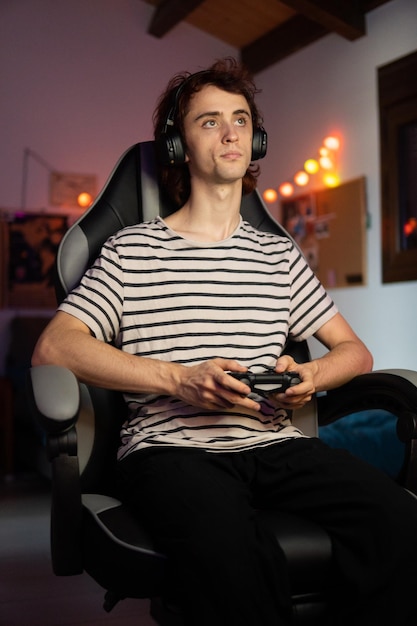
(118, 550)
(307, 548)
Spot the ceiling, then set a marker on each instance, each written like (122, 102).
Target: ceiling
(265, 31)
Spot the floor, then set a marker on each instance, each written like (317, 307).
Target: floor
(30, 594)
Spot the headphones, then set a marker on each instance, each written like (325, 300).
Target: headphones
(170, 147)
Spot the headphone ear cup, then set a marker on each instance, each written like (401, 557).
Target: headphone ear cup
(170, 148)
(171, 151)
(259, 143)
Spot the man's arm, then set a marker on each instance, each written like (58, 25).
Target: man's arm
(68, 342)
(346, 358)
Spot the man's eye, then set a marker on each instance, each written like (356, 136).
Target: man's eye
(241, 121)
(209, 124)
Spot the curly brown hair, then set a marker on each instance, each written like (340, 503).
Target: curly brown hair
(226, 74)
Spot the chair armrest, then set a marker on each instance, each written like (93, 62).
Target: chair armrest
(391, 390)
(54, 395)
(54, 398)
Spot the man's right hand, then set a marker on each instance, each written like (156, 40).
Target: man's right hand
(209, 386)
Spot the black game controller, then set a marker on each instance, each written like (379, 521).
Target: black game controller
(268, 382)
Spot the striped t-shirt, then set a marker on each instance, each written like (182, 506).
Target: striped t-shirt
(156, 294)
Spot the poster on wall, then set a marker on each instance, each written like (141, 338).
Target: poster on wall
(29, 243)
(299, 219)
(329, 226)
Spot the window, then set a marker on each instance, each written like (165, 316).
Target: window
(397, 90)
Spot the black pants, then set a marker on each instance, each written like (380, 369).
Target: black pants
(227, 569)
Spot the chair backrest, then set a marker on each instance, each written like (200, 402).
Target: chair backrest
(131, 195)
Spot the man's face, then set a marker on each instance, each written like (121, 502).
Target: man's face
(218, 132)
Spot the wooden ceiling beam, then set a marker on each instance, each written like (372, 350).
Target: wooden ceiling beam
(170, 13)
(282, 41)
(344, 17)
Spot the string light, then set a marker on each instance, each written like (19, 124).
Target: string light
(301, 178)
(332, 143)
(270, 195)
(311, 166)
(286, 189)
(410, 226)
(331, 180)
(84, 199)
(326, 161)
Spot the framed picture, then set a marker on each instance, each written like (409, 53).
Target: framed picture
(329, 226)
(299, 219)
(29, 243)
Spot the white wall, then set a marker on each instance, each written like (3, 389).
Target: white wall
(80, 79)
(332, 86)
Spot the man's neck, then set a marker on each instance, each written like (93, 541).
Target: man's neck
(210, 216)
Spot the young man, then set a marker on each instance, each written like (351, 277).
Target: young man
(169, 310)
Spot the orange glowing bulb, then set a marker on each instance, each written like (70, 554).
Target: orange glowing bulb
(332, 143)
(270, 195)
(326, 162)
(84, 199)
(410, 226)
(331, 180)
(301, 178)
(311, 166)
(286, 189)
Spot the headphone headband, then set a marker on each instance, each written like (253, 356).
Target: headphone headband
(170, 120)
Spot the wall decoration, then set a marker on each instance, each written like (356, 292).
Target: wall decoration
(29, 243)
(299, 219)
(68, 190)
(329, 226)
